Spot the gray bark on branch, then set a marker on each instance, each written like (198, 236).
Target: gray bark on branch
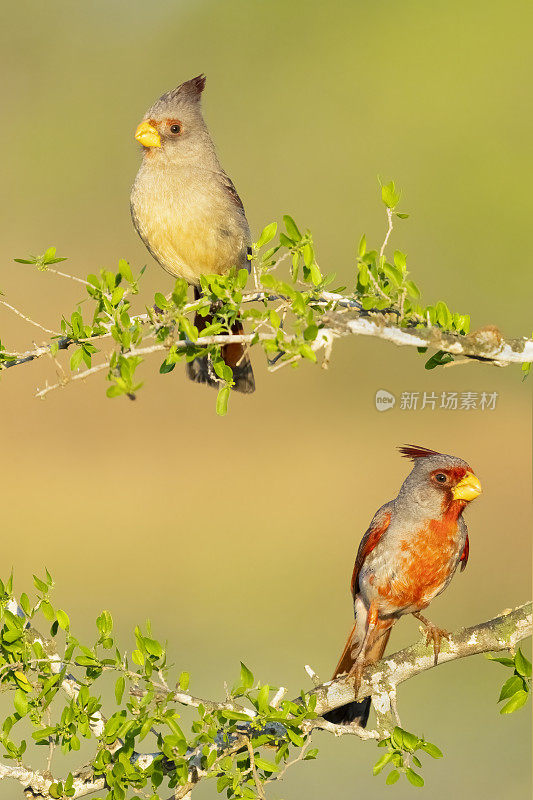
(381, 679)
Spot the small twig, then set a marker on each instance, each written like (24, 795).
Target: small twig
(387, 235)
(76, 377)
(70, 277)
(338, 729)
(51, 745)
(257, 780)
(27, 319)
(312, 674)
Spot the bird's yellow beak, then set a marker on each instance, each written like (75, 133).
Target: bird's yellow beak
(467, 489)
(147, 135)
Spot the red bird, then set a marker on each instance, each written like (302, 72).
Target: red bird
(407, 557)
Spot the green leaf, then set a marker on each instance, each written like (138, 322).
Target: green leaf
(412, 289)
(438, 359)
(63, 620)
(119, 689)
(267, 766)
(184, 681)
(161, 301)
(86, 661)
(262, 698)
(316, 275)
(507, 662)
(516, 702)
(389, 195)
(510, 687)
(76, 359)
(247, 678)
(22, 681)
(400, 260)
(25, 603)
(307, 352)
(310, 333)
(413, 777)
(125, 270)
(20, 701)
(274, 318)
(397, 737)
(410, 741)
(381, 762)
(522, 665)
(308, 254)
(295, 738)
(222, 401)
(40, 585)
(431, 749)
(285, 241)
(392, 777)
(153, 647)
(235, 715)
(393, 274)
(292, 228)
(362, 246)
(267, 234)
(190, 330)
(444, 317)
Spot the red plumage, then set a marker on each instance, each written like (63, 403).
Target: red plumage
(368, 542)
(407, 557)
(414, 451)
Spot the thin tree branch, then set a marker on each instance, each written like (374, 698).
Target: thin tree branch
(378, 680)
(28, 319)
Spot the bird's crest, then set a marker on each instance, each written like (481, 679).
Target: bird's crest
(414, 451)
(192, 88)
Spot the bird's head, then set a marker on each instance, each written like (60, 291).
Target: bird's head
(438, 481)
(174, 128)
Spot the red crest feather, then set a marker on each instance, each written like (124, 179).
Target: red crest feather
(413, 451)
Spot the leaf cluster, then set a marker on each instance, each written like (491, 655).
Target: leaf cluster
(517, 687)
(283, 312)
(401, 748)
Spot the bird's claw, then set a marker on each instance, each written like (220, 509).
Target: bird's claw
(356, 674)
(435, 634)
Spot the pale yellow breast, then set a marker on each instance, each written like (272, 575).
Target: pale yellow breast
(189, 224)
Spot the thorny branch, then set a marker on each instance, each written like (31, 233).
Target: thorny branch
(379, 680)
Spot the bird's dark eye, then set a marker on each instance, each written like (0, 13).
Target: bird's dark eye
(440, 477)
(175, 128)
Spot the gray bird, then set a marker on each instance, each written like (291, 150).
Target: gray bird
(187, 210)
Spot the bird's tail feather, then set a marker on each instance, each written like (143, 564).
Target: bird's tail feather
(201, 370)
(358, 710)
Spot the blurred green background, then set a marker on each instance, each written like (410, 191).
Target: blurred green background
(236, 536)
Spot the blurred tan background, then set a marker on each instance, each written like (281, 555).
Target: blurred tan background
(231, 532)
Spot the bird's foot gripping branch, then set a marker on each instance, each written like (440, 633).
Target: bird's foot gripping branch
(291, 310)
(155, 738)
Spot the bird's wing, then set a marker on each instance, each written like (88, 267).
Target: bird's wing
(375, 531)
(231, 191)
(464, 556)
